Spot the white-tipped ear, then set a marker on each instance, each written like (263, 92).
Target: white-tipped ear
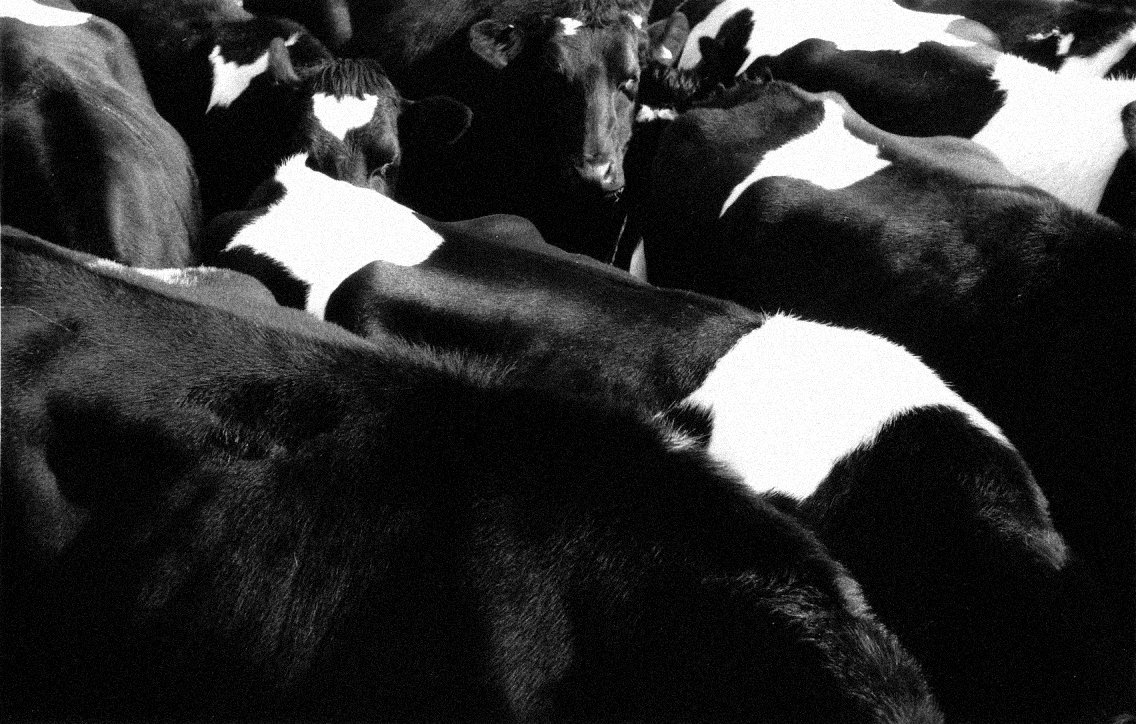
(495, 42)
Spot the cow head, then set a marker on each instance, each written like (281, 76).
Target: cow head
(579, 77)
(359, 123)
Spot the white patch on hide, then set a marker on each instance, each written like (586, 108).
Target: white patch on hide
(32, 13)
(793, 397)
(851, 24)
(324, 230)
(1059, 132)
(1100, 63)
(570, 26)
(232, 79)
(830, 157)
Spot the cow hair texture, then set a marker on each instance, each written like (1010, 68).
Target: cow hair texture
(351, 76)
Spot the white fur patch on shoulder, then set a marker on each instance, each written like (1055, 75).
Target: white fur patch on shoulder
(829, 156)
(793, 397)
(851, 24)
(324, 230)
(570, 26)
(32, 13)
(1060, 132)
(232, 79)
(340, 115)
(1099, 63)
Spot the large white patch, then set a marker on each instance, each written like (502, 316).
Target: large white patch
(232, 79)
(1062, 133)
(340, 115)
(851, 24)
(830, 157)
(324, 230)
(32, 13)
(1099, 63)
(793, 397)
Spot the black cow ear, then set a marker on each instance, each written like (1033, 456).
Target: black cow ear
(496, 42)
(435, 120)
(667, 38)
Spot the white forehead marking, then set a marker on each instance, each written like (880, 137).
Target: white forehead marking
(830, 157)
(636, 20)
(851, 24)
(340, 115)
(664, 53)
(1076, 135)
(325, 230)
(793, 397)
(231, 79)
(1099, 63)
(569, 26)
(32, 13)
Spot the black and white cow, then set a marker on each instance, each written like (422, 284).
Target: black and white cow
(784, 200)
(266, 517)
(1064, 133)
(552, 87)
(736, 32)
(788, 404)
(1073, 36)
(87, 161)
(248, 91)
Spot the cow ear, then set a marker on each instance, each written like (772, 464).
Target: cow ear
(667, 37)
(280, 66)
(496, 42)
(435, 120)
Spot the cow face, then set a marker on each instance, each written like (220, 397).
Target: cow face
(358, 119)
(579, 81)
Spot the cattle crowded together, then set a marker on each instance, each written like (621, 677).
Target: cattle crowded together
(466, 360)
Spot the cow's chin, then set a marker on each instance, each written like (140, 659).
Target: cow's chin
(590, 190)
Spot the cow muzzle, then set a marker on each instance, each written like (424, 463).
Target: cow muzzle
(604, 174)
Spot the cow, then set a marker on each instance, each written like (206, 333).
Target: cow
(1022, 303)
(248, 91)
(267, 517)
(87, 160)
(759, 391)
(552, 87)
(736, 32)
(1063, 133)
(1072, 36)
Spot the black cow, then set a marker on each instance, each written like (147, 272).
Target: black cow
(248, 91)
(263, 516)
(552, 87)
(783, 200)
(786, 403)
(87, 161)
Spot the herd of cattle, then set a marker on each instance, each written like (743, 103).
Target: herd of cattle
(419, 360)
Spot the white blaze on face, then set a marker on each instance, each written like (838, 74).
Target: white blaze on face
(324, 230)
(1060, 132)
(851, 24)
(32, 13)
(830, 157)
(1100, 62)
(232, 79)
(570, 26)
(340, 115)
(794, 397)
(636, 20)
